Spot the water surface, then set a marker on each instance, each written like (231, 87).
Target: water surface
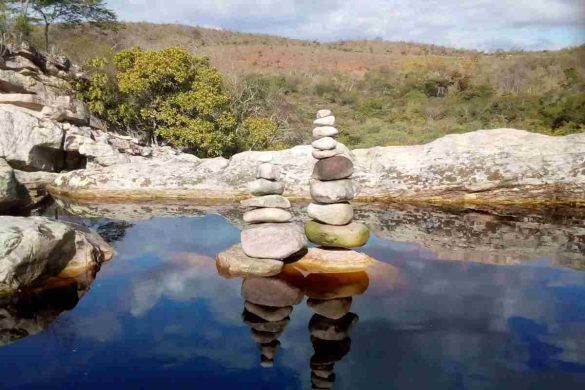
(159, 314)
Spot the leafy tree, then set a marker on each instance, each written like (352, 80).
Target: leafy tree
(68, 12)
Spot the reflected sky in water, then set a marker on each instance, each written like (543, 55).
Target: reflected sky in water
(160, 315)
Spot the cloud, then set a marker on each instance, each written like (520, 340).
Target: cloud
(478, 24)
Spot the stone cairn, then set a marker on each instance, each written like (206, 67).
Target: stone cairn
(269, 233)
(331, 190)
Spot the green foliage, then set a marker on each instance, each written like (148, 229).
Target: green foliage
(173, 95)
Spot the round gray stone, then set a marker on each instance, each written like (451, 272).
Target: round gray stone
(261, 187)
(325, 143)
(332, 214)
(333, 168)
(264, 215)
(333, 191)
(273, 240)
(277, 201)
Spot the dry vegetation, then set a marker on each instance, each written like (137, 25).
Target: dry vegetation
(383, 92)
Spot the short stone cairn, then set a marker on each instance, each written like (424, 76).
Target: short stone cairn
(269, 233)
(332, 189)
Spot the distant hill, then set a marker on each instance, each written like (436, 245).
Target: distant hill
(384, 93)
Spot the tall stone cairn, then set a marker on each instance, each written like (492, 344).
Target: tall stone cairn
(269, 234)
(331, 190)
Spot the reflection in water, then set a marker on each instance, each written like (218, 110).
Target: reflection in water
(31, 311)
(268, 307)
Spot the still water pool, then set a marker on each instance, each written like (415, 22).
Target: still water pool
(159, 315)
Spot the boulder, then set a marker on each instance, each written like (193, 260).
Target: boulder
(8, 186)
(261, 187)
(28, 143)
(33, 187)
(333, 191)
(234, 262)
(333, 168)
(348, 236)
(332, 214)
(35, 248)
(273, 240)
(274, 291)
(331, 308)
(272, 201)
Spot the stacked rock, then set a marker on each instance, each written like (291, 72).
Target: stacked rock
(270, 234)
(267, 308)
(331, 190)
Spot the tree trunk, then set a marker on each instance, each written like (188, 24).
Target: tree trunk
(47, 36)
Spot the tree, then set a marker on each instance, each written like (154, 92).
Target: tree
(69, 12)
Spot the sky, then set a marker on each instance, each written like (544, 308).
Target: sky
(473, 24)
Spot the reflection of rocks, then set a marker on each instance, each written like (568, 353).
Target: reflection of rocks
(330, 286)
(498, 236)
(234, 262)
(332, 329)
(331, 308)
(267, 308)
(274, 291)
(31, 311)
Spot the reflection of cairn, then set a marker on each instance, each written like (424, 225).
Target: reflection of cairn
(271, 234)
(331, 190)
(331, 323)
(267, 307)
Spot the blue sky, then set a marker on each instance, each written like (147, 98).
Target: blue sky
(477, 24)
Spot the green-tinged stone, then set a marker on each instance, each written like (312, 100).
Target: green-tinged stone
(349, 236)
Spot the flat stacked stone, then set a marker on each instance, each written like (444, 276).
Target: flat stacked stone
(269, 234)
(332, 188)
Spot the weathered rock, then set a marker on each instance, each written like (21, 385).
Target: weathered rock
(268, 171)
(261, 187)
(272, 201)
(325, 121)
(324, 131)
(8, 186)
(235, 262)
(325, 143)
(268, 313)
(323, 113)
(332, 329)
(267, 215)
(348, 236)
(28, 143)
(332, 214)
(273, 240)
(333, 168)
(333, 191)
(33, 187)
(331, 308)
(473, 168)
(273, 291)
(35, 248)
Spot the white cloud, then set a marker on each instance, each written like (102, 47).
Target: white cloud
(482, 24)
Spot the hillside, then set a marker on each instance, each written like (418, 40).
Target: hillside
(384, 93)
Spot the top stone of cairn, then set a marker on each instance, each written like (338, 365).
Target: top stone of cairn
(323, 113)
(265, 157)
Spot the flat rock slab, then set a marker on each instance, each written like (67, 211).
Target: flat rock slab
(352, 235)
(329, 260)
(273, 240)
(234, 262)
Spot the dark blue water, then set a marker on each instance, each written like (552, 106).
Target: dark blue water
(160, 316)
